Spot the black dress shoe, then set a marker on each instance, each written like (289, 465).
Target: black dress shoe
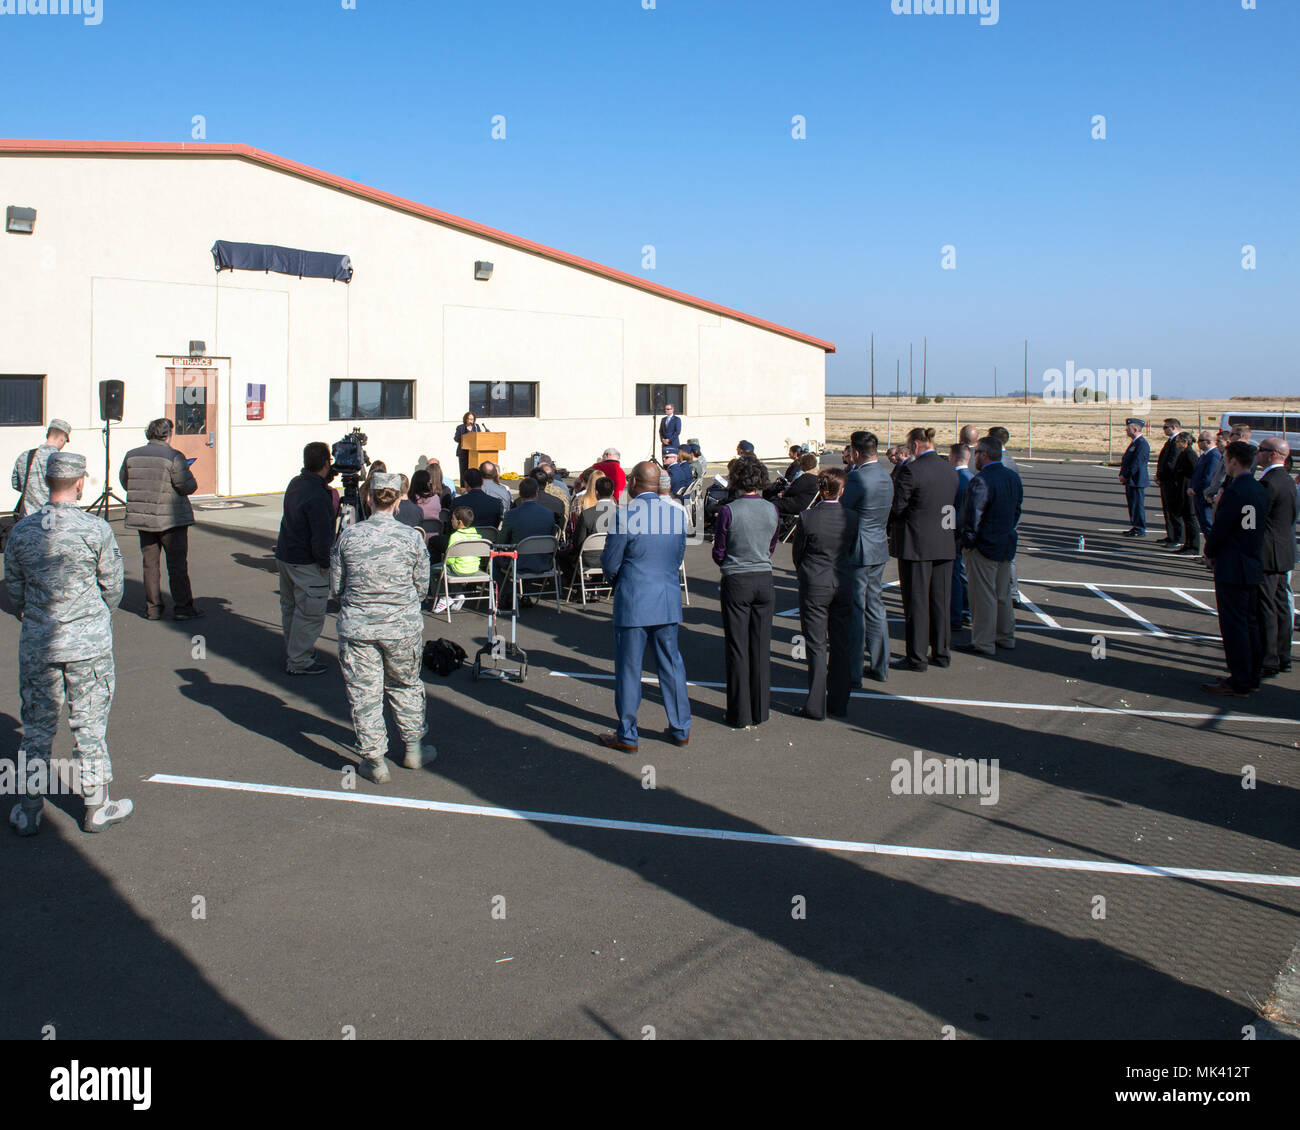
(940, 663)
(191, 614)
(907, 665)
(1164, 541)
(874, 676)
(1270, 672)
(969, 649)
(802, 712)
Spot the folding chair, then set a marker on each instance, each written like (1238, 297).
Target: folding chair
(595, 543)
(686, 592)
(794, 524)
(471, 547)
(534, 547)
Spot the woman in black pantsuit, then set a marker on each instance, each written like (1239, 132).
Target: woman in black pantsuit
(821, 537)
(744, 538)
(469, 423)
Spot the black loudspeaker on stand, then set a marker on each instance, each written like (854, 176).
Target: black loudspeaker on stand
(112, 395)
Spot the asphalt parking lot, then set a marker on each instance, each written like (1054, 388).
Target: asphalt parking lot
(513, 888)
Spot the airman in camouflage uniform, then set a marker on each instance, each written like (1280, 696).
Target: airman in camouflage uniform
(63, 570)
(36, 494)
(379, 571)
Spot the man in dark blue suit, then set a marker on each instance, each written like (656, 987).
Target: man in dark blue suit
(643, 557)
(670, 430)
(1234, 550)
(1207, 466)
(1135, 474)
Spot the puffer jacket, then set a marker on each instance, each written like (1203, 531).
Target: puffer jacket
(157, 479)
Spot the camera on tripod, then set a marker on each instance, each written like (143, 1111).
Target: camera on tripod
(350, 460)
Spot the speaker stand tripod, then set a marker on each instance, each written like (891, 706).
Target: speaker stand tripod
(101, 504)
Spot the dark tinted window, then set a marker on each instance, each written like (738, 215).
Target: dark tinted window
(371, 400)
(650, 399)
(22, 400)
(502, 399)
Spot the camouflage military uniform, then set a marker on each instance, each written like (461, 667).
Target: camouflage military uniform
(37, 493)
(379, 570)
(63, 570)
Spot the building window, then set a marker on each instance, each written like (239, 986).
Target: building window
(500, 399)
(650, 399)
(371, 400)
(22, 401)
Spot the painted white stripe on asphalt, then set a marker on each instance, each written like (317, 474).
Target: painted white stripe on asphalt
(1186, 595)
(1043, 616)
(1068, 708)
(767, 838)
(1110, 585)
(1150, 627)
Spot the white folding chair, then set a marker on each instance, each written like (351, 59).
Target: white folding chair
(595, 543)
(471, 547)
(536, 546)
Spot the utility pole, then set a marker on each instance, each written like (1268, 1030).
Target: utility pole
(873, 371)
(925, 353)
(1026, 370)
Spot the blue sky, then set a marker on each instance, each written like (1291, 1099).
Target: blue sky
(672, 127)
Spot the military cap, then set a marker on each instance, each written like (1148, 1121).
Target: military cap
(65, 465)
(386, 480)
(746, 447)
(57, 425)
(1135, 420)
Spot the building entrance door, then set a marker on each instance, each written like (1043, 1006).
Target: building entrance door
(191, 406)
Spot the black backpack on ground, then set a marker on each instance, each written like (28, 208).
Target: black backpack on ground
(444, 656)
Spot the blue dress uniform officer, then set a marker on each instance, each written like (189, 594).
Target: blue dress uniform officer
(1135, 474)
(63, 570)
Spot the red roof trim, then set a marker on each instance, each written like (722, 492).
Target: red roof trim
(258, 156)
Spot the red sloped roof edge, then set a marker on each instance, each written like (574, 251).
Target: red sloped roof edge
(282, 164)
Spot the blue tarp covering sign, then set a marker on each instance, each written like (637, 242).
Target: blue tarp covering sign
(282, 260)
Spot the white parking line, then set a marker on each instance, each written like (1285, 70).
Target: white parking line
(1150, 627)
(1110, 585)
(1068, 708)
(727, 835)
(1043, 616)
(1191, 599)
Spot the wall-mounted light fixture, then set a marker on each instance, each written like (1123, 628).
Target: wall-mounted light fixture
(21, 221)
(482, 270)
(198, 348)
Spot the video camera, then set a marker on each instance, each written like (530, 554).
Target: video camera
(350, 460)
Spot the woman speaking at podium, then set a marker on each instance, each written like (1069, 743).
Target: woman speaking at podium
(469, 423)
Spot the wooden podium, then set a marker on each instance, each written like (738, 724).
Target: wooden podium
(484, 447)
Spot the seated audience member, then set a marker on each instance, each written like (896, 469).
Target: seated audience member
(529, 518)
(423, 495)
(408, 511)
(551, 486)
(582, 501)
(487, 510)
(462, 522)
(610, 466)
(682, 474)
(802, 487)
(796, 453)
(598, 518)
(546, 498)
(493, 485)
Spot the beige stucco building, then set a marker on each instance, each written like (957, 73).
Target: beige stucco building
(117, 278)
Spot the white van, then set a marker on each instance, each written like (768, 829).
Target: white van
(1265, 425)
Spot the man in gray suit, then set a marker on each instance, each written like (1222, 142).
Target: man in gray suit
(859, 607)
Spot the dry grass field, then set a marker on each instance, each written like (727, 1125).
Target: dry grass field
(1090, 431)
